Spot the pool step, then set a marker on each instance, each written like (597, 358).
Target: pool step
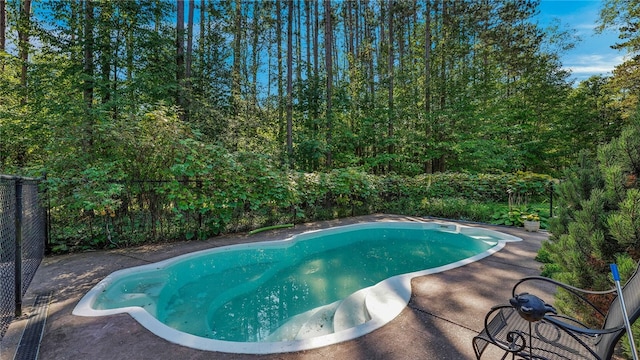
(394, 293)
(321, 323)
(289, 330)
(294, 326)
(352, 311)
(328, 319)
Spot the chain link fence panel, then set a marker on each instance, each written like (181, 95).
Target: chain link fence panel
(20, 205)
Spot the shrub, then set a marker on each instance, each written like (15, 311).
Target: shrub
(597, 223)
(205, 190)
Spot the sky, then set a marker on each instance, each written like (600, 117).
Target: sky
(593, 54)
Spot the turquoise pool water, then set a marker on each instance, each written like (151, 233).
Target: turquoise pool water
(251, 293)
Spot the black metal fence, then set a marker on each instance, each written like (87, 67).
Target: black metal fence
(96, 213)
(23, 234)
(148, 211)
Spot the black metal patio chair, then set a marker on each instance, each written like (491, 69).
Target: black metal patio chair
(554, 336)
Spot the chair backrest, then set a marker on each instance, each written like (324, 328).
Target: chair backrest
(615, 319)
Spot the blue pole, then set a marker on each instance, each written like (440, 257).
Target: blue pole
(616, 278)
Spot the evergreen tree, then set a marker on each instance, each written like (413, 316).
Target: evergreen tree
(597, 222)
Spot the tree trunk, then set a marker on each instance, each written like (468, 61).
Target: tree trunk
(316, 63)
(105, 56)
(390, 73)
(23, 36)
(369, 30)
(236, 77)
(399, 34)
(281, 122)
(3, 28)
(88, 69)
(307, 23)
(298, 43)
(348, 27)
(188, 63)
(180, 54)
(255, 62)
(237, 51)
(24, 26)
(289, 81)
(328, 46)
(201, 44)
(358, 32)
(352, 63)
(443, 60)
(189, 55)
(88, 54)
(439, 163)
(74, 25)
(180, 41)
(428, 165)
(114, 81)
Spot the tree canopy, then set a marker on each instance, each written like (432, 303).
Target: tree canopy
(407, 87)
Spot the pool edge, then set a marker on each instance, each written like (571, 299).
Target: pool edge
(398, 287)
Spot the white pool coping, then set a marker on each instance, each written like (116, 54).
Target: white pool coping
(384, 301)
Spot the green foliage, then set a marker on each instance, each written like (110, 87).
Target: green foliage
(205, 191)
(514, 217)
(625, 224)
(474, 114)
(549, 268)
(518, 215)
(597, 223)
(456, 208)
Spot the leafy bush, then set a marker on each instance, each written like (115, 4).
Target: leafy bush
(508, 218)
(457, 208)
(517, 216)
(129, 193)
(208, 191)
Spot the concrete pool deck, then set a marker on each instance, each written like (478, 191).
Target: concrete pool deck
(445, 311)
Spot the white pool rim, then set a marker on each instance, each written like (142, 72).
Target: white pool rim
(384, 301)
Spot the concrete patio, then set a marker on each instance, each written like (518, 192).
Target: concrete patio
(445, 312)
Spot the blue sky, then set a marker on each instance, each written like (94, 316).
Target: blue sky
(593, 54)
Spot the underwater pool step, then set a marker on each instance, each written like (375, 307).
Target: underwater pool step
(290, 329)
(328, 319)
(320, 323)
(352, 311)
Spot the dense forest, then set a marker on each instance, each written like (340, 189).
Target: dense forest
(405, 87)
(177, 119)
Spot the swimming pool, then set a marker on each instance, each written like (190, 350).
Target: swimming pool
(314, 289)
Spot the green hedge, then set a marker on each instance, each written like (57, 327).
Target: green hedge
(206, 196)
(167, 184)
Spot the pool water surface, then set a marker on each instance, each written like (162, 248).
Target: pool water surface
(311, 290)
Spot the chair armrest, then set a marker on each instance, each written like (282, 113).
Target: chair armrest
(580, 293)
(579, 330)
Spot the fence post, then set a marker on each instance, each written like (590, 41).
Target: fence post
(18, 247)
(551, 200)
(47, 216)
(199, 186)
